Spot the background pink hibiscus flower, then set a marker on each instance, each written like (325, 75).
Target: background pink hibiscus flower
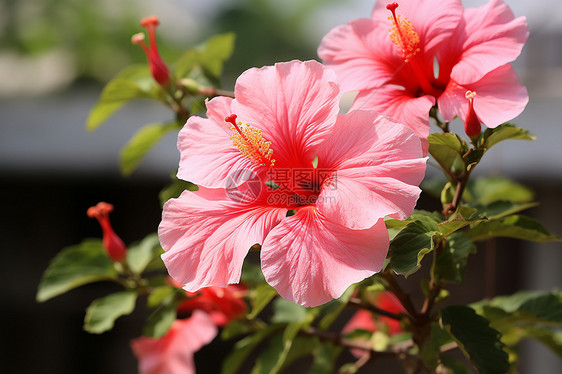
(434, 52)
(368, 167)
(173, 352)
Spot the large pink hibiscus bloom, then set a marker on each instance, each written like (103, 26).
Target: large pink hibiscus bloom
(320, 228)
(414, 54)
(173, 352)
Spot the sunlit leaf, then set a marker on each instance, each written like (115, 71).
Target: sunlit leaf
(515, 226)
(140, 254)
(102, 313)
(160, 321)
(503, 132)
(141, 143)
(75, 266)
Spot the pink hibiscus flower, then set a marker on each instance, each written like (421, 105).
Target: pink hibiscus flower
(222, 304)
(365, 320)
(414, 54)
(368, 167)
(173, 352)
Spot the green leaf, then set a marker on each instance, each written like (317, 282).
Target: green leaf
(252, 274)
(263, 294)
(102, 313)
(431, 348)
(140, 144)
(75, 266)
(139, 255)
(325, 356)
(209, 55)
(411, 244)
(332, 309)
(515, 226)
(447, 149)
(500, 209)
(485, 191)
(289, 336)
(463, 217)
(160, 321)
(503, 132)
(450, 265)
(476, 338)
(163, 295)
(267, 361)
(534, 315)
(287, 311)
(175, 189)
(455, 366)
(243, 348)
(134, 82)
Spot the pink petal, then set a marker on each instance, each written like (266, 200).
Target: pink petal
(207, 156)
(395, 102)
(206, 236)
(310, 260)
(294, 103)
(433, 20)
(361, 54)
(492, 37)
(378, 166)
(173, 352)
(499, 98)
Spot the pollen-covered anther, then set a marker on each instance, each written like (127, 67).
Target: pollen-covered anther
(250, 141)
(402, 34)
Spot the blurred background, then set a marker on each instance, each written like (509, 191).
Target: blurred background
(55, 56)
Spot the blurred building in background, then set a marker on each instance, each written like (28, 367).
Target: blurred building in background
(55, 56)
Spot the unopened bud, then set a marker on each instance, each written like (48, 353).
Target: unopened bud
(114, 246)
(472, 125)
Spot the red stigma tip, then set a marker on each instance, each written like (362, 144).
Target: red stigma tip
(149, 21)
(231, 119)
(392, 7)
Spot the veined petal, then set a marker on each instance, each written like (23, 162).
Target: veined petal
(173, 353)
(207, 156)
(499, 98)
(433, 20)
(295, 104)
(206, 236)
(361, 54)
(311, 260)
(395, 102)
(491, 37)
(378, 164)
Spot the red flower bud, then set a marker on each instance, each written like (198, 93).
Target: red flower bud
(112, 243)
(472, 122)
(158, 68)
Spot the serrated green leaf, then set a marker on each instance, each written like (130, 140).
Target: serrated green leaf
(75, 266)
(134, 82)
(476, 338)
(515, 226)
(262, 295)
(535, 315)
(141, 143)
(450, 265)
(160, 321)
(243, 348)
(140, 254)
(411, 244)
(503, 132)
(102, 313)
